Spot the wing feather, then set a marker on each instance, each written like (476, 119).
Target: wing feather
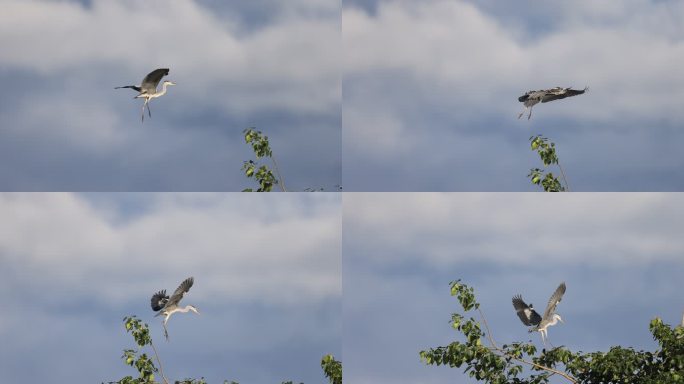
(150, 82)
(525, 312)
(182, 288)
(159, 300)
(554, 300)
(561, 94)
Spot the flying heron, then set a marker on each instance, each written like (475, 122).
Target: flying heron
(167, 306)
(530, 317)
(531, 98)
(148, 88)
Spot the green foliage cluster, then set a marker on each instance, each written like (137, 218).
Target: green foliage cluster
(332, 369)
(146, 368)
(261, 173)
(547, 152)
(144, 365)
(504, 364)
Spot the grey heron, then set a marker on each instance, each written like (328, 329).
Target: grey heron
(148, 88)
(530, 317)
(167, 306)
(531, 98)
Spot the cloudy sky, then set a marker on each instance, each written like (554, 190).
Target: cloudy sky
(430, 93)
(267, 284)
(619, 254)
(267, 64)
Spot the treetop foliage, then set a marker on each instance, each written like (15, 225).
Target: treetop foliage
(146, 368)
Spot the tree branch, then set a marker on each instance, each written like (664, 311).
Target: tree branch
(281, 181)
(567, 186)
(505, 353)
(161, 370)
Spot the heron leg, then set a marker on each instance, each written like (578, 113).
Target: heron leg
(148, 107)
(166, 332)
(142, 118)
(523, 112)
(528, 116)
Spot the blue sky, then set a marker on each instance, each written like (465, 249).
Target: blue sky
(266, 64)
(267, 283)
(430, 93)
(619, 254)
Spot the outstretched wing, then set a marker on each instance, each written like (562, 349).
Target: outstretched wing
(554, 300)
(150, 82)
(182, 288)
(567, 92)
(525, 312)
(159, 300)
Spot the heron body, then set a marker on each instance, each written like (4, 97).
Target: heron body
(532, 98)
(148, 88)
(538, 323)
(167, 306)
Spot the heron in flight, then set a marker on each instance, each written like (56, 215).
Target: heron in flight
(148, 88)
(530, 317)
(531, 98)
(167, 306)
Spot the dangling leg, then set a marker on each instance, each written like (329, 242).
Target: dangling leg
(142, 118)
(148, 107)
(528, 116)
(166, 332)
(522, 113)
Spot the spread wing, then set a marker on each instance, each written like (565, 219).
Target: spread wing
(554, 300)
(159, 300)
(562, 94)
(525, 312)
(182, 288)
(150, 82)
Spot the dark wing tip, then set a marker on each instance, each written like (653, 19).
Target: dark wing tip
(158, 300)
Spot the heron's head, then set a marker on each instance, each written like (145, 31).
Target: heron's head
(557, 316)
(169, 82)
(192, 308)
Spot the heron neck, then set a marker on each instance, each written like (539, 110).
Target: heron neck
(163, 91)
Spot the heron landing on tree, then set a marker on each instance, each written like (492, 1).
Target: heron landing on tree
(148, 88)
(530, 317)
(167, 306)
(531, 98)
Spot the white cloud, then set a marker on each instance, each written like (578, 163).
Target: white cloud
(239, 246)
(444, 229)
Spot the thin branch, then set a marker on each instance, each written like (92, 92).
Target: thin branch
(161, 370)
(567, 186)
(280, 177)
(489, 333)
(503, 352)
